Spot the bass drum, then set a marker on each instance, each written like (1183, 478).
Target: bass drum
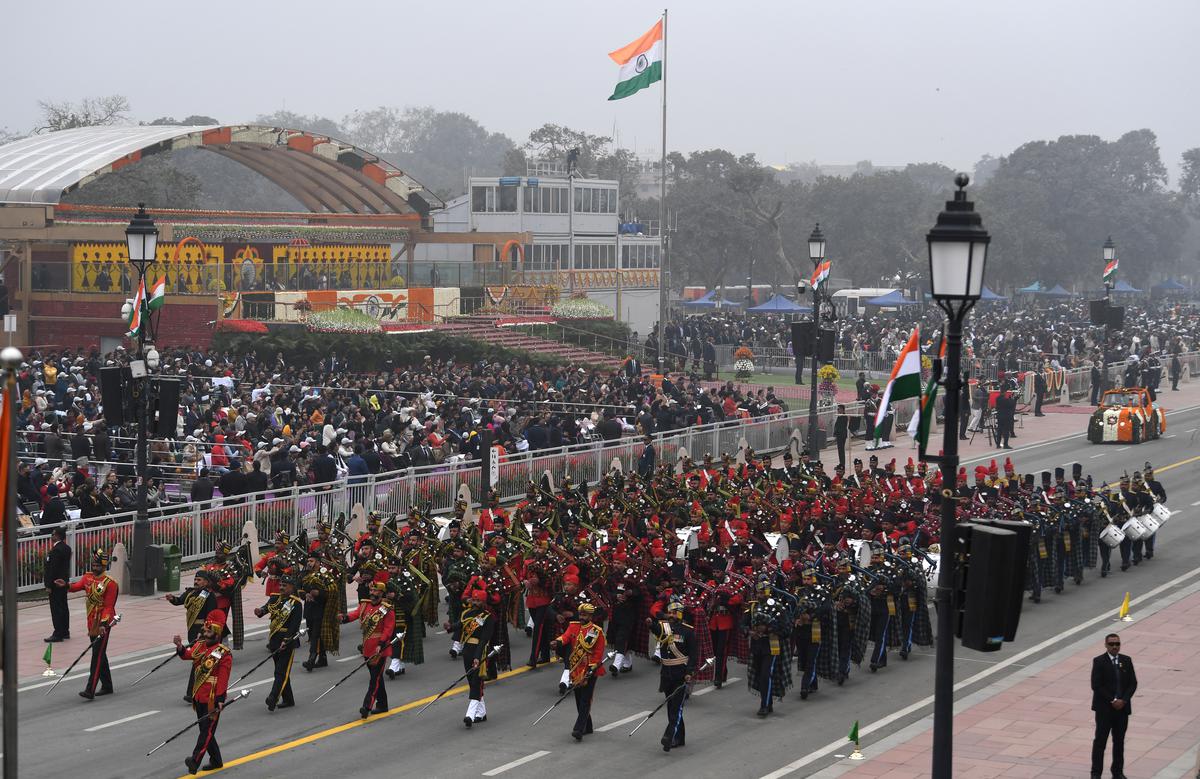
(1134, 529)
(1161, 513)
(1112, 536)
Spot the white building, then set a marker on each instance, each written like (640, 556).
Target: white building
(579, 243)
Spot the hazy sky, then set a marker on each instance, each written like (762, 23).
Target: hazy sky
(834, 81)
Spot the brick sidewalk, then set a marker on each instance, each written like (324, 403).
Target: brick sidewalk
(1042, 726)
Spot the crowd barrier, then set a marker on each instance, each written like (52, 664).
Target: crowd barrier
(195, 528)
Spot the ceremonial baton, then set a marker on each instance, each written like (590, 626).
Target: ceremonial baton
(215, 710)
(378, 651)
(285, 645)
(495, 651)
(171, 657)
(86, 649)
(707, 663)
(570, 690)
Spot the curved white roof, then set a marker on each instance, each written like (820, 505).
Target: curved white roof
(37, 169)
(324, 173)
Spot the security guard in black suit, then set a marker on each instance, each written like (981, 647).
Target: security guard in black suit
(1113, 685)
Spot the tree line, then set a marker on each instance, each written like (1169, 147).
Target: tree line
(1049, 204)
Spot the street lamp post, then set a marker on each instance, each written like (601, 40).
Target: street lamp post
(957, 255)
(1110, 254)
(141, 236)
(816, 253)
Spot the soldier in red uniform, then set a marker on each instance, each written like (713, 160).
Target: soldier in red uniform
(271, 573)
(101, 598)
(211, 663)
(378, 623)
(583, 644)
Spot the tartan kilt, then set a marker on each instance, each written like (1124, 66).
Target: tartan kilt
(1048, 565)
(739, 645)
(921, 625)
(1033, 566)
(781, 675)
(827, 656)
(502, 661)
(704, 646)
(331, 626)
(239, 620)
(861, 626)
(414, 643)
(639, 643)
(1074, 555)
(1090, 527)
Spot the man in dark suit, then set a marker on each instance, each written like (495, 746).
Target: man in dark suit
(1113, 685)
(58, 566)
(645, 463)
(841, 431)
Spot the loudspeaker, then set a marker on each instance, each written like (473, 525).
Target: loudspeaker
(168, 407)
(983, 585)
(1116, 317)
(802, 341)
(1099, 312)
(112, 395)
(1011, 607)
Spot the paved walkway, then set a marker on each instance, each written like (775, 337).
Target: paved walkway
(1039, 724)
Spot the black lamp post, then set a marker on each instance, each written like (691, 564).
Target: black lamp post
(816, 253)
(957, 255)
(141, 236)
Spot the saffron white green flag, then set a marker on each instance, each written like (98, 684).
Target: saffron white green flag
(158, 294)
(905, 381)
(135, 310)
(641, 63)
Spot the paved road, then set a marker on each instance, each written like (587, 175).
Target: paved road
(64, 735)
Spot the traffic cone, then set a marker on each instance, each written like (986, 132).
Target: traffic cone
(1123, 613)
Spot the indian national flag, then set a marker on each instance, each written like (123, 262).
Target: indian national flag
(922, 420)
(641, 63)
(158, 294)
(905, 381)
(1110, 271)
(135, 315)
(820, 274)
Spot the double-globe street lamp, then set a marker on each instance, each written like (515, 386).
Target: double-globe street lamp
(141, 237)
(957, 255)
(816, 253)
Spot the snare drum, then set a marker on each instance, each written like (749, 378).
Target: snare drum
(1161, 513)
(1150, 523)
(1134, 529)
(1112, 536)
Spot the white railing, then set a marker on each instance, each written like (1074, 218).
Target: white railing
(195, 528)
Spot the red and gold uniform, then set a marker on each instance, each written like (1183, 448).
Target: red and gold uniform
(211, 662)
(100, 597)
(583, 644)
(377, 619)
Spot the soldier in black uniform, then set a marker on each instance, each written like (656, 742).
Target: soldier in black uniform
(287, 611)
(677, 647)
(197, 600)
(474, 631)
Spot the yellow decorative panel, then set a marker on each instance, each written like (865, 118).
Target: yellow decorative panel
(104, 267)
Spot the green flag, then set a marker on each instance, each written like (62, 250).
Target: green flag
(46, 654)
(854, 733)
(928, 412)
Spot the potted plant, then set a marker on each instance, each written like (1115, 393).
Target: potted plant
(743, 362)
(827, 375)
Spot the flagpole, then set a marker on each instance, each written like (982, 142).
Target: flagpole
(663, 270)
(10, 357)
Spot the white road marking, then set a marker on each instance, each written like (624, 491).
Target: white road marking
(1123, 448)
(1197, 503)
(514, 764)
(830, 748)
(348, 659)
(620, 722)
(710, 688)
(121, 721)
(256, 684)
(1093, 457)
(139, 661)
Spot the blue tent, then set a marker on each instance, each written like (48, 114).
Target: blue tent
(1124, 286)
(891, 300)
(710, 300)
(987, 294)
(782, 304)
(1034, 287)
(1170, 285)
(1056, 292)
